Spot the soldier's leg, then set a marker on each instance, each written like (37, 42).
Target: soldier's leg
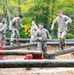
(1, 39)
(39, 46)
(17, 38)
(32, 39)
(63, 35)
(4, 40)
(12, 38)
(44, 47)
(59, 39)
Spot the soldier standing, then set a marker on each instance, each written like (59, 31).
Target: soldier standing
(14, 29)
(41, 37)
(33, 30)
(62, 21)
(3, 28)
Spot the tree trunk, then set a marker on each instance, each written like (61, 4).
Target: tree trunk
(8, 13)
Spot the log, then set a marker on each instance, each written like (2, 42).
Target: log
(36, 63)
(17, 47)
(20, 52)
(58, 52)
(28, 40)
(53, 42)
(29, 45)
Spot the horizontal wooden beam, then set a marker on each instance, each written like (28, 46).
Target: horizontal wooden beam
(36, 63)
(20, 52)
(65, 51)
(58, 52)
(53, 42)
(17, 47)
(28, 40)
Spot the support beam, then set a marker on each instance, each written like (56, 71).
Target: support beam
(20, 52)
(36, 63)
(58, 52)
(17, 47)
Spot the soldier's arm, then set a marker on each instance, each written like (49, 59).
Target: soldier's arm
(3, 27)
(55, 21)
(36, 28)
(48, 35)
(21, 25)
(68, 19)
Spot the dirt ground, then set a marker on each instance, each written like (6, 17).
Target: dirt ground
(38, 71)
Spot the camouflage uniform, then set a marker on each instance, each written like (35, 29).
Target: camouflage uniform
(3, 28)
(33, 32)
(62, 28)
(42, 44)
(14, 28)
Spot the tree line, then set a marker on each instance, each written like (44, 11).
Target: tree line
(41, 11)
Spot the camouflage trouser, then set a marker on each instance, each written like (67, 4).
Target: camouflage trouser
(15, 34)
(2, 39)
(32, 39)
(61, 38)
(42, 46)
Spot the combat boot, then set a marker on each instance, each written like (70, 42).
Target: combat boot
(60, 44)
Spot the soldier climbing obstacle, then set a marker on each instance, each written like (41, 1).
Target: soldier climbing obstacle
(14, 29)
(33, 30)
(41, 37)
(62, 21)
(3, 28)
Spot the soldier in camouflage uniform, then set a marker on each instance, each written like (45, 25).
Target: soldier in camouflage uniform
(14, 29)
(33, 30)
(41, 37)
(62, 21)
(3, 28)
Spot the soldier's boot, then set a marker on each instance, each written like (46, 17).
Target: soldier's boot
(60, 44)
(18, 43)
(12, 44)
(63, 43)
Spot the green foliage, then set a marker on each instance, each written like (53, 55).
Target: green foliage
(41, 11)
(70, 36)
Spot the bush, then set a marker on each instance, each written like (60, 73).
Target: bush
(70, 36)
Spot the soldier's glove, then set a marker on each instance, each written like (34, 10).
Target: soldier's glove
(10, 30)
(40, 39)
